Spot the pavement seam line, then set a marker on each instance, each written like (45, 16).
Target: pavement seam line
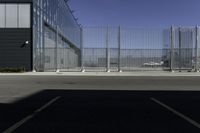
(27, 118)
(186, 118)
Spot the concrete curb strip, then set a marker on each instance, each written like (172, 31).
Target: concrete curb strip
(150, 74)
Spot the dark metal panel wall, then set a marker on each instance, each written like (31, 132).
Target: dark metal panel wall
(12, 54)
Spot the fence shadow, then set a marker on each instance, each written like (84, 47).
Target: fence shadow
(95, 111)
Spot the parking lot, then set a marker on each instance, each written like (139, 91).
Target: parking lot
(99, 104)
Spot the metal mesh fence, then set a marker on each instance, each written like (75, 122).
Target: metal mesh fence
(68, 60)
(63, 59)
(184, 51)
(143, 59)
(94, 59)
(126, 49)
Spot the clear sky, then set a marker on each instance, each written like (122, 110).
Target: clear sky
(137, 13)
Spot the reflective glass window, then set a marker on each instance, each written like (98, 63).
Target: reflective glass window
(24, 15)
(11, 15)
(2, 15)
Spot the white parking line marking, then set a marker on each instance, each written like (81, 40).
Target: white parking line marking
(194, 123)
(23, 121)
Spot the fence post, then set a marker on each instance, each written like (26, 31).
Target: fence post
(56, 51)
(82, 50)
(119, 50)
(180, 50)
(34, 65)
(42, 40)
(196, 49)
(107, 50)
(172, 48)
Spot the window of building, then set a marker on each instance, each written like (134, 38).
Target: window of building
(15, 16)
(11, 16)
(24, 15)
(2, 15)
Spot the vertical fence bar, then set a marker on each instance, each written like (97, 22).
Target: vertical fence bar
(42, 51)
(196, 49)
(56, 51)
(190, 47)
(42, 42)
(82, 50)
(180, 48)
(172, 48)
(33, 42)
(107, 50)
(119, 50)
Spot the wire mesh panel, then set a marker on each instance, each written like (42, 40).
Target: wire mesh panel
(142, 49)
(184, 49)
(52, 59)
(38, 60)
(95, 59)
(197, 48)
(114, 61)
(95, 52)
(126, 49)
(142, 59)
(198, 59)
(68, 60)
(49, 59)
(113, 48)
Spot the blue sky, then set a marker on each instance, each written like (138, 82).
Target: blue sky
(137, 13)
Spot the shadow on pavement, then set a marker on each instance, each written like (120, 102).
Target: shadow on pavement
(102, 112)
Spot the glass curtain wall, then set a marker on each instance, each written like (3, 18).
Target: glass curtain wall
(56, 36)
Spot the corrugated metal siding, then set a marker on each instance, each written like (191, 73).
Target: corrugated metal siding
(11, 53)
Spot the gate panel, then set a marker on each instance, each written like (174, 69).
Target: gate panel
(143, 49)
(95, 52)
(184, 49)
(126, 49)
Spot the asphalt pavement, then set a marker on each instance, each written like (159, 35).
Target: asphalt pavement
(38, 104)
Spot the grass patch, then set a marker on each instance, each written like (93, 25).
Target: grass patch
(12, 70)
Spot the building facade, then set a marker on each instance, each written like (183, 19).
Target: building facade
(33, 32)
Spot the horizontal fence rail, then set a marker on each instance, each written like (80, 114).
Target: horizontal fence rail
(125, 49)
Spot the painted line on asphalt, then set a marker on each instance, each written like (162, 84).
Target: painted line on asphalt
(186, 118)
(24, 120)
